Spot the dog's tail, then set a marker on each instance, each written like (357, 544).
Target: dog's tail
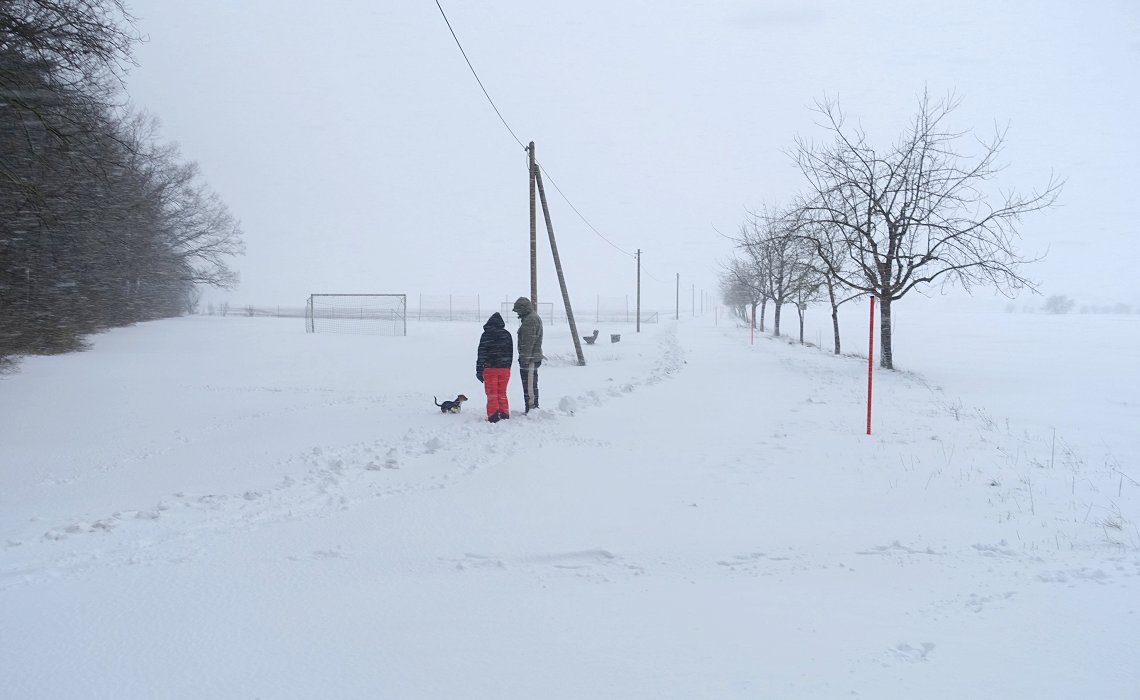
(435, 400)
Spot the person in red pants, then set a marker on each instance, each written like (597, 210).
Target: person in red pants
(493, 366)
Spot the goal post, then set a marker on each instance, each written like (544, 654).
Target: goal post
(367, 314)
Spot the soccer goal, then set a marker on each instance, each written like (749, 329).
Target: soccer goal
(371, 314)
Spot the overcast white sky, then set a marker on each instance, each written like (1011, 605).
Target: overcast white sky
(361, 156)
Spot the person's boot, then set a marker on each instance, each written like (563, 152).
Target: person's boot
(494, 418)
(503, 415)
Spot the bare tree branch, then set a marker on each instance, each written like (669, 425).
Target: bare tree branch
(917, 213)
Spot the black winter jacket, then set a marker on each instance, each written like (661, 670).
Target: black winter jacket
(496, 345)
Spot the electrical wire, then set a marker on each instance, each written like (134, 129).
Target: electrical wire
(519, 141)
(596, 232)
(485, 93)
(549, 177)
(650, 274)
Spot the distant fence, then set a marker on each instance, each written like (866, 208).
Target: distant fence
(264, 311)
(455, 307)
(450, 307)
(614, 310)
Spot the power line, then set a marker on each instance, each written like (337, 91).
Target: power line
(519, 141)
(650, 274)
(596, 232)
(488, 96)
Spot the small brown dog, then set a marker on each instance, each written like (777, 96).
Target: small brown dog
(450, 406)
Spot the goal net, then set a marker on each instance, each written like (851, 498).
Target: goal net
(371, 314)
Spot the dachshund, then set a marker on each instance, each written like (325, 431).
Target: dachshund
(450, 406)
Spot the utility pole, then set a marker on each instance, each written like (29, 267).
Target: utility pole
(532, 171)
(537, 180)
(639, 290)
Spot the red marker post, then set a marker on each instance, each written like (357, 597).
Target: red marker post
(870, 362)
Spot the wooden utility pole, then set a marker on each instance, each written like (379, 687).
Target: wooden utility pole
(639, 290)
(537, 180)
(533, 169)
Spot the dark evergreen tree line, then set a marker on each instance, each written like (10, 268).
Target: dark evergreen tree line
(100, 225)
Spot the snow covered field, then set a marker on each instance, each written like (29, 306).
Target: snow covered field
(230, 508)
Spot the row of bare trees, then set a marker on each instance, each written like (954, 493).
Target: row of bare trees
(100, 224)
(774, 266)
(885, 221)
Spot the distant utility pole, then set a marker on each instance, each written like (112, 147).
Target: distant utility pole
(677, 303)
(639, 290)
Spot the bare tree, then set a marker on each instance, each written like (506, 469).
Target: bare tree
(61, 65)
(196, 224)
(829, 259)
(1058, 304)
(919, 212)
(193, 300)
(56, 208)
(88, 41)
(807, 282)
(98, 226)
(741, 287)
(777, 254)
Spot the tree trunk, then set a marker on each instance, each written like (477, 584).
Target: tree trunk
(752, 321)
(763, 310)
(886, 361)
(835, 325)
(801, 311)
(834, 313)
(776, 318)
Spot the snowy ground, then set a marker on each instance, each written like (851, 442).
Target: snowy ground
(230, 508)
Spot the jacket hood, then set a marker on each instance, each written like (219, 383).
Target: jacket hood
(496, 321)
(523, 306)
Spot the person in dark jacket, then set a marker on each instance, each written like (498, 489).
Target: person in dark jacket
(530, 349)
(493, 366)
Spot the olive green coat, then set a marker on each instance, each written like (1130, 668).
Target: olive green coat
(530, 333)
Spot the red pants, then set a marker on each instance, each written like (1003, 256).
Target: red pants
(495, 382)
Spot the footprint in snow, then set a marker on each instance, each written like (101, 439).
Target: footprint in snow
(906, 652)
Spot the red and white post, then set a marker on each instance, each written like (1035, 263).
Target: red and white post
(870, 362)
